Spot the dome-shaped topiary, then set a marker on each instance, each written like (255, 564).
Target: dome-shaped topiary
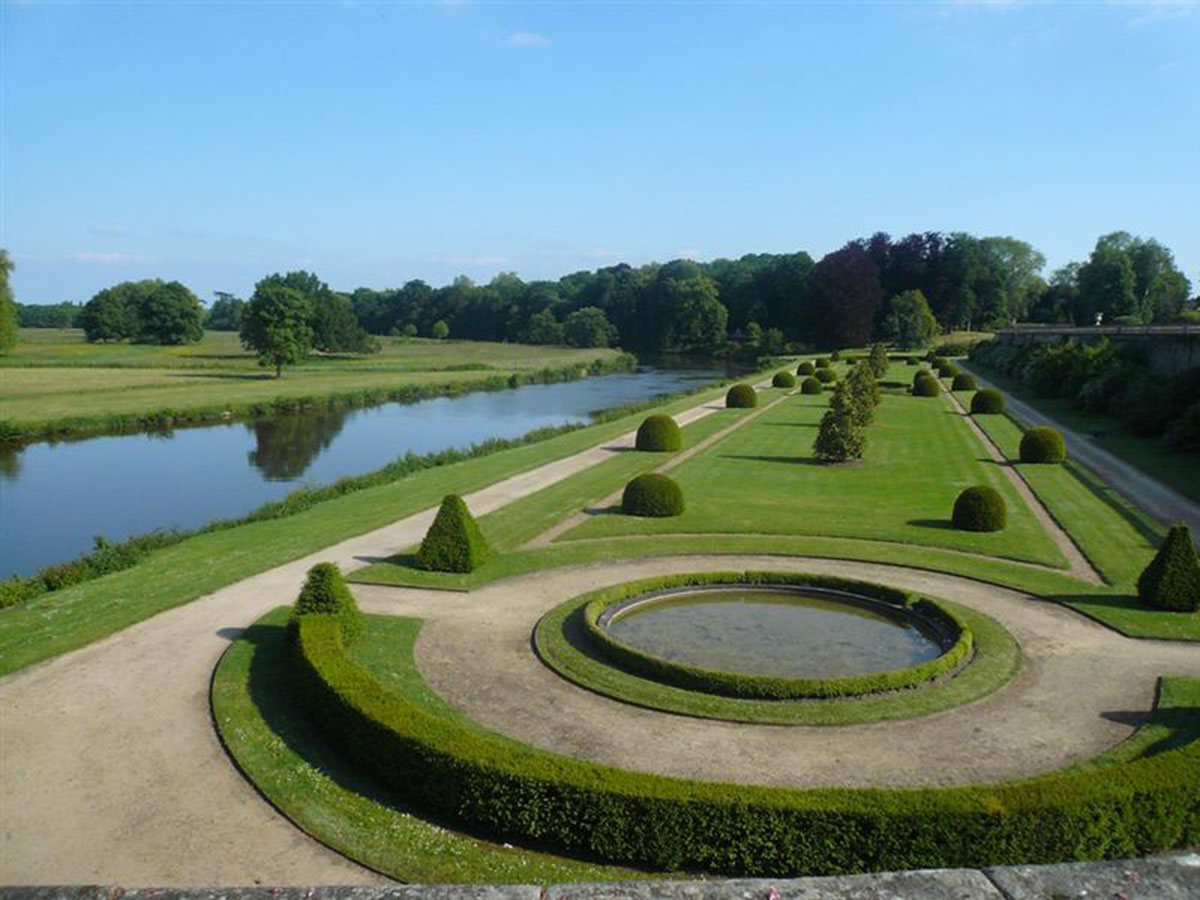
(925, 385)
(811, 385)
(454, 542)
(1043, 445)
(1172, 580)
(653, 495)
(946, 369)
(980, 508)
(659, 434)
(964, 381)
(825, 376)
(325, 594)
(784, 380)
(741, 396)
(822, 364)
(805, 368)
(987, 402)
(835, 355)
(911, 361)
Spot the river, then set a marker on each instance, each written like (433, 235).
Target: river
(56, 497)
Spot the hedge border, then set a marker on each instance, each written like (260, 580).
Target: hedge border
(955, 637)
(520, 793)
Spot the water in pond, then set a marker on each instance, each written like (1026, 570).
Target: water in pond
(792, 634)
(55, 497)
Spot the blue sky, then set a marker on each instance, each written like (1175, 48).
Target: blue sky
(378, 142)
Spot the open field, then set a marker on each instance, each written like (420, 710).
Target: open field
(57, 381)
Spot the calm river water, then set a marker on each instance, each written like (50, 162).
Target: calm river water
(55, 497)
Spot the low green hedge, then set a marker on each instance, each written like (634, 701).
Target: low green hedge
(518, 793)
(951, 629)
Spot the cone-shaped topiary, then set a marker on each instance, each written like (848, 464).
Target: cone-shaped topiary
(822, 364)
(811, 385)
(825, 376)
(925, 385)
(1043, 445)
(1172, 580)
(784, 380)
(741, 396)
(987, 402)
(835, 355)
(964, 381)
(659, 434)
(653, 495)
(805, 368)
(980, 508)
(454, 542)
(325, 594)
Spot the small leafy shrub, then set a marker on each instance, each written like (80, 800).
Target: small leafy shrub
(652, 495)
(988, 402)
(825, 376)
(811, 385)
(454, 542)
(65, 574)
(835, 355)
(784, 380)
(822, 364)
(911, 361)
(964, 382)
(925, 385)
(980, 508)
(1172, 580)
(878, 360)
(659, 434)
(741, 396)
(1043, 445)
(325, 594)
(805, 368)
(946, 369)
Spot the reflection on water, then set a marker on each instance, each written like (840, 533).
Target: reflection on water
(791, 634)
(55, 497)
(285, 446)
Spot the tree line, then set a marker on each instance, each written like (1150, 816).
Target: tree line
(903, 290)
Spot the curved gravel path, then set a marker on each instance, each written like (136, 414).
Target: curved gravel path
(1082, 688)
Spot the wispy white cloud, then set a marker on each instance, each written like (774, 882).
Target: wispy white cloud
(527, 39)
(1152, 12)
(109, 231)
(101, 257)
(484, 259)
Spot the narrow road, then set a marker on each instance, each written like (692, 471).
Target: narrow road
(1164, 503)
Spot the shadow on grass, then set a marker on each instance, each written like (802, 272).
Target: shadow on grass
(404, 560)
(614, 509)
(223, 376)
(789, 424)
(940, 524)
(1181, 722)
(790, 460)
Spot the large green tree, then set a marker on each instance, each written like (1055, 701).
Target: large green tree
(909, 322)
(1131, 276)
(168, 313)
(277, 324)
(8, 305)
(111, 315)
(589, 327)
(226, 313)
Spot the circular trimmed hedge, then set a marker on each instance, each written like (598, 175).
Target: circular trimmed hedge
(980, 508)
(987, 402)
(925, 385)
(946, 369)
(811, 385)
(826, 376)
(652, 495)
(741, 396)
(911, 361)
(1043, 445)
(783, 380)
(964, 381)
(659, 434)
(805, 368)
(822, 364)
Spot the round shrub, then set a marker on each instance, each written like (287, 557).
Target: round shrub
(825, 376)
(925, 385)
(1043, 445)
(822, 364)
(911, 361)
(784, 380)
(987, 402)
(964, 382)
(811, 385)
(835, 355)
(741, 396)
(980, 508)
(945, 368)
(805, 368)
(658, 434)
(652, 494)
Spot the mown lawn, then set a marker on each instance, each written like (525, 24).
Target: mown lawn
(762, 479)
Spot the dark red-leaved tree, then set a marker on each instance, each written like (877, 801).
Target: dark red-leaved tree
(844, 295)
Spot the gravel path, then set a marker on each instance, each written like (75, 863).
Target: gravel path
(1162, 502)
(1082, 688)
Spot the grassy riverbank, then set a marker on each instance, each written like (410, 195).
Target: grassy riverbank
(57, 383)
